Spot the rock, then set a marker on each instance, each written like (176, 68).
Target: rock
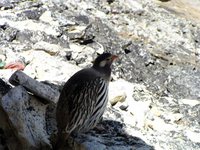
(80, 53)
(33, 14)
(120, 91)
(8, 33)
(27, 4)
(32, 37)
(47, 68)
(32, 26)
(117, 99)
(4, 88)
(190, 102)
(186, 79)
(29, 125)
(114, 135)
(168, 103)
(97, 145)
(7, 138)
(39, 89)
(52, 49)
(50, 117)
(6, 4)
(46, 17)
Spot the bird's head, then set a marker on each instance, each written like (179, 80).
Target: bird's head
(103, 62)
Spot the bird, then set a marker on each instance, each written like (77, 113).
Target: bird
(83, 98)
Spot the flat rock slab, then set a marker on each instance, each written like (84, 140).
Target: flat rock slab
(42, 90)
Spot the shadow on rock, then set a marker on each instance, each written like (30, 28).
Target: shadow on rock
(109, 135)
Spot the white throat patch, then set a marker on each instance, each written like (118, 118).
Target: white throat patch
(102, 64)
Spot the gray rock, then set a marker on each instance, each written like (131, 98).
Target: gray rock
(112, 137)
(33, 14)
(4, 88)
(52, 49)
(47, 68)
(31, 25)
(181, 79)
(29, 113)
(8, 33)
(27, 4)
(47, 18)
(39, 89)
(6, 4)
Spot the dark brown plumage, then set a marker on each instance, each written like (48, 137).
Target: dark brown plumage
(84, 97)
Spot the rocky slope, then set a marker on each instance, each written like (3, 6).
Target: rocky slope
(154, 93)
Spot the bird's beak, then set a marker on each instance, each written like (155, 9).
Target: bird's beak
(113, 57)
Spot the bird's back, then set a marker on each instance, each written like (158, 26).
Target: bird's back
(82, 101)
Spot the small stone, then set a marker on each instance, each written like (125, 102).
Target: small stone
(52, 49)
(10, 34)
(116, 99)
(82, 19)
(123, 106)
(31, 14)
(46, 17)
(68, 55)
(119, 91)
(83, 55)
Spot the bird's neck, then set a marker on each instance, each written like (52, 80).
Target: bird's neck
(104, 72)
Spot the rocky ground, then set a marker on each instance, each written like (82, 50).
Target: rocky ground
(154, 94)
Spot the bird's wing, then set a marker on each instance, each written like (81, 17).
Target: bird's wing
(62, 110)
(73, 105)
